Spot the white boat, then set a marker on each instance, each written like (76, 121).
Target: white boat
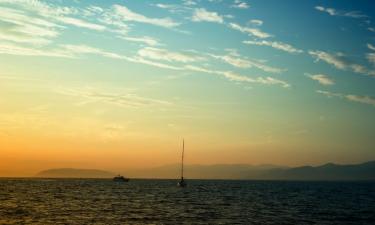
(182, 182)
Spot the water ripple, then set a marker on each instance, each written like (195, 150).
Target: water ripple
(100, 201)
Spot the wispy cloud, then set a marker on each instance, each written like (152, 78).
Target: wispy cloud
(37, 22)
(350, 97)
(145, 40)
(123, 100)
(250, 31)
(147, 55)
(371, 47)
(174, 8)
(22, 28)
(335, 12)
(275, 44)
(330, 11)
(165, 6)
(240, 78)
(166, 55)
(339, 61)
(11, 49)
(85, 49)
(81, 23)
(234, 59)
(114, 21)
(189, 2)
(19, 78)
(371, 56)
(334, 60)
(329, 94)
(139, 59)
(126, 14)
(95, 9)
(361, 99)
(321, 78)
(240, 4)
(202, 14)
(65, 51)
(43, 9)
(256, 22)
(226, 74)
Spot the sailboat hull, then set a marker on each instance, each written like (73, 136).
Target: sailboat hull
(181, 183)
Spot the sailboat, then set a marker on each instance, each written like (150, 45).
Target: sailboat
(182, 182)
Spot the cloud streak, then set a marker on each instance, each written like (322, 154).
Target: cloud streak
(339, 61)
(11, 49)
(166, 55)
(21, 28)
(235, 60)
(250, 31)
(130, 100)
(123, 13)
(145, 40)
(321, 78)
(240, 78)
(274, 44)
(256, 22)
(371, 56)
(81, 23)
(74, 51)
(240, 4)
(368, 100)
(335, 12)
(202, 15)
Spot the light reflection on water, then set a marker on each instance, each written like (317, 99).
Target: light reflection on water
(100, 201)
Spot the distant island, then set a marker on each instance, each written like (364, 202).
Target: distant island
(329, 171)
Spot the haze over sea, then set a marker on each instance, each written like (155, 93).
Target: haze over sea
(101, 201)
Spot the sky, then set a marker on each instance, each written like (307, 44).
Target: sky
(118, 84)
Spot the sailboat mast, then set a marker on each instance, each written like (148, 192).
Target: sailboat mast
(182, 160)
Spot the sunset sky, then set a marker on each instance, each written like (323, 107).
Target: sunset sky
(117, 84)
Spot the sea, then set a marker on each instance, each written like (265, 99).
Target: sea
(153, 201)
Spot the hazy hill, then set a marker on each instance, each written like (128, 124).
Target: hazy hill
(217, 171)
(330, 171)
(74, 173)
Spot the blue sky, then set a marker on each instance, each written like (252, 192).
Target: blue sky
(294, 79)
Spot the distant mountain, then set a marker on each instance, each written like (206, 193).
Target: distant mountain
(330, 171)
(74, 173)
(217, 171)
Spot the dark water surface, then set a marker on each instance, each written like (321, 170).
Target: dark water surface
(100, 201)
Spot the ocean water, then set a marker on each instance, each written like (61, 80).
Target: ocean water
(101, 201)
